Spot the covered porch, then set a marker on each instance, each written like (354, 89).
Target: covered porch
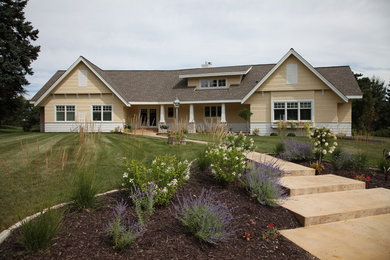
(186, 116)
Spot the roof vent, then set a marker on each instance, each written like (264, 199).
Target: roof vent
(207, 64)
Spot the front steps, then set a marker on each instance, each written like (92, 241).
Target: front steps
(314, 209)
(303, 185)
(291, 169)
(341, 219)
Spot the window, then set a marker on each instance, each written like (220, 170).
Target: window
(65, 113)
(170, 112)
(279, 112)
(100, 112)
(292, 74)
(292, 110)
(213, 83)
(212, 111)
(83, 78)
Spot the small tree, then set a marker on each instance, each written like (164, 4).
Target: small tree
(246, 115)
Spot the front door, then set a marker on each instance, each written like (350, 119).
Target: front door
(148, 117)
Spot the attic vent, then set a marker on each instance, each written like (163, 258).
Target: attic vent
(83, 78)
(292, 74)
(207, 64)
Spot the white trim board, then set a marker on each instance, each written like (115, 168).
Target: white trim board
(187, 102)
(215, 74)
(307, 64)
(80, 59)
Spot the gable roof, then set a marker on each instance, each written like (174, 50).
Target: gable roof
(163, 86)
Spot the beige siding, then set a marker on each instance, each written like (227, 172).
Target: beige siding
(83, 105)
(70, 84)
(292, 95)
(306, 79)
(260, 106)
(231, 80)
(344, 112)
(325, 107)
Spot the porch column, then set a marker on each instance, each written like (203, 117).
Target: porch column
(191, 122)
(162, 120)
(162, 115)
(223, 114)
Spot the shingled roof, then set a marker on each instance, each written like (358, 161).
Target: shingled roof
(162, 86)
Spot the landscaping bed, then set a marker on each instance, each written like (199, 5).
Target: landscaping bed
(84, 232)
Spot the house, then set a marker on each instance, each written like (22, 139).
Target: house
(292, 89)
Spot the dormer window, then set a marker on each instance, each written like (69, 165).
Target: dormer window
(213, 83)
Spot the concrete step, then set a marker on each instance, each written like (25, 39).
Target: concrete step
(362, 238)
(302, 185)
(291, 169)
(329, 207)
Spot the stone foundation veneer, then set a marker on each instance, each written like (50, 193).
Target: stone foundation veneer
(337, 128)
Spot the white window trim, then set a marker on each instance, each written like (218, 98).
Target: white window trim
(299, 108)
(226, 80)
(112, 113)
(204, 111)
(55, 112)
(171, 117)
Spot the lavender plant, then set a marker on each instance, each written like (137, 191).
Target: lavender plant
(263, 181)
(342, 160)
(208, 219)
(121, 229)
(143, 202)
(296, 150)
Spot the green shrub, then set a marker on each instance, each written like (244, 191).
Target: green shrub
(239, 141)
(38, 233)
(274, 134)
(384, 166)
(279, 148)
(202, 162)
(166, 174)
(84, 190)
(226, 163)
(291, 134)
(360, 161)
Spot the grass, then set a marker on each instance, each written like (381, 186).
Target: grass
(37, 169)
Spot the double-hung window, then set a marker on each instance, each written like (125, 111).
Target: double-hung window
(212, 111)
(102, 112)
(65, 113)
(292, 110)
(213, 83)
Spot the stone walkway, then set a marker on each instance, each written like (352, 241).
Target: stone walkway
(341, 219)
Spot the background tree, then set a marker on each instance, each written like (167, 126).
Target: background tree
(372, 113)
(246, 115)
(16, 55)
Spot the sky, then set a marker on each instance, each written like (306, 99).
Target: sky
(176, 34)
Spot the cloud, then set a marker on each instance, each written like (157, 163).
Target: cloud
(171, 34)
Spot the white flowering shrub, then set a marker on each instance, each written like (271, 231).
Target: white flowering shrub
(324, 141)
(165, 174)
(226, 163)
(239, 141)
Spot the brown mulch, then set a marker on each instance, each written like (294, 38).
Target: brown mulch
(83, 235)
(377, 178)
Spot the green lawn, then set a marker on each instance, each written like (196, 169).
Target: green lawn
(36, 169)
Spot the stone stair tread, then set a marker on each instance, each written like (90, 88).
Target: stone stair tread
(291, 169)
(362, 238)
(302, 185)
(328, 207)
